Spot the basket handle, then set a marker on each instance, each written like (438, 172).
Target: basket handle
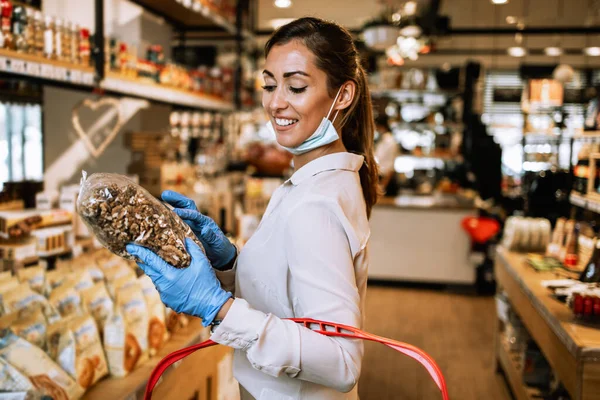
(324, 328)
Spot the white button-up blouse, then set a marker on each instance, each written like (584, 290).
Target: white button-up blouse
(307, 259)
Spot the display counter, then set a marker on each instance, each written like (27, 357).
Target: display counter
(194, 377)
(420, 239)
(571, 347)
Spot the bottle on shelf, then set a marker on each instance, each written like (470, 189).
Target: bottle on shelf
(58, 39)
(84, 46)
(7, 36)
(74, 43)
(65, 40)
(38, 34)
(30, 30)
(572, 248)
(19, 28)
(591, 273)
(49, 51)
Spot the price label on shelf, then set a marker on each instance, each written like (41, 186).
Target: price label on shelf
(3, 64)
(87, 78)
(33, 69)
(76, 76)
(47, 71)
(60, 73)
(17, 66)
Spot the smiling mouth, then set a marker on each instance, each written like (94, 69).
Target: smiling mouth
(284, 122)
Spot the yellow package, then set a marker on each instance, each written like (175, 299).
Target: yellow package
(5, 276)
(23, 298)
(79, 350)
(126, 332)
(81, 279)
(97, 302)
(47, 377)
(66, 299)
(13, 381)
(34, 276)
(157, 326)
(115, 275)
(55, 279)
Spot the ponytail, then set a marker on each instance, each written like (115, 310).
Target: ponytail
(336, 55)
(358, 137)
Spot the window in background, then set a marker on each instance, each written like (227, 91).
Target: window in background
(21, 151)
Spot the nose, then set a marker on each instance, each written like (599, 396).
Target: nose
(274, 101)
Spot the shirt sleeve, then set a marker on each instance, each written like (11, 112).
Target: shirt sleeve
(322, 286)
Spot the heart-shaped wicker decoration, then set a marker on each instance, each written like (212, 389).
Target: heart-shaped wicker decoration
(96, 151)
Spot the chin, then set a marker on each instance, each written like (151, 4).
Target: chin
(288, 140)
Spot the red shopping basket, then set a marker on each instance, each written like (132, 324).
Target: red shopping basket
(335, 330)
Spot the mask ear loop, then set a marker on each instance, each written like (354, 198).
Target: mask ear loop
(333, 105)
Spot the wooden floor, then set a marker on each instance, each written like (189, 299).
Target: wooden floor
(457, 330)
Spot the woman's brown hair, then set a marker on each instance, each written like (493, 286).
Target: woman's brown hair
(337, 56)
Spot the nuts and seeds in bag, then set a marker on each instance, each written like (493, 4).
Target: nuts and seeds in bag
(119, 211)
(45, 375)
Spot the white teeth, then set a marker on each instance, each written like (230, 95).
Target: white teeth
(285, 122)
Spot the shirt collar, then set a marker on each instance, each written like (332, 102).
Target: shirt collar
(336, 161)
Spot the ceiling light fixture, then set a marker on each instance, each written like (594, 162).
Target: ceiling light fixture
(410, 8)
(593, 51)
(553, 51)
(283, 3)
(499, 1)
(517, 51)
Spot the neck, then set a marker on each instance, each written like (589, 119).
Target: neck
(303, 159)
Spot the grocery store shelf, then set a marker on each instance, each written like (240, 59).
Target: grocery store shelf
(407, 92)
(46, 71)
(579, 200)
(188, 14)
(159, 93)
(511, 364)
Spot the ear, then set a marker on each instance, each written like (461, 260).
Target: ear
(346, 96)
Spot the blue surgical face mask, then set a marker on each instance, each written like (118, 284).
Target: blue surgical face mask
(325, 133)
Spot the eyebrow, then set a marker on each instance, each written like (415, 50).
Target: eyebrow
(286, 74)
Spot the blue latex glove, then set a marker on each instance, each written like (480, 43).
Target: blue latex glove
(219, 250)
(194, 290)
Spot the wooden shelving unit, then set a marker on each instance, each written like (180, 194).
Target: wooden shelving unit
(571, 348)
(512, 364)
(579, 200)
(152, 91)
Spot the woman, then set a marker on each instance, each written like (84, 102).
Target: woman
(308, 258)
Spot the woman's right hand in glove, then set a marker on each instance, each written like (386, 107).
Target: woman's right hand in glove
(219, 250)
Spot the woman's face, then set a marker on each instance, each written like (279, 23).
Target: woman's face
(295, 93)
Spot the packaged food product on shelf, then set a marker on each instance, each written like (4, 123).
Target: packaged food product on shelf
(81, 279)
(45, 374)
(13, 381)
(114, 276)
(29, 324)
(55, 279)
(79, 351)
(5, 287)
(126, 332)
(8, 41)
(34, 276)
(18, 250)
(66, 299)
(5, 276)
(98, 303)
(15, 224)
(119, 212)
(22, 298)
(157, 329)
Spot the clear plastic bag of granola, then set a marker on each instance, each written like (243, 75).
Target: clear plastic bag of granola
(119, 211)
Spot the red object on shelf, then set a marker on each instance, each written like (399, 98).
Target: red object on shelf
(571, 260)
(336, 330)
(7, 9)
(480, 229)
(597, 306)
(578, 304)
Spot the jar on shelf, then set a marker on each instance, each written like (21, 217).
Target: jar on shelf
(58, 39)
(217, 81)
(30, 30)
(19, 26)
(66, 41)
(74, 43)
(49, 51)
(38, 34)
(7, 36)
(84, 46)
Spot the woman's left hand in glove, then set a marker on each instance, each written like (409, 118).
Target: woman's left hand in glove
(194, 290)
